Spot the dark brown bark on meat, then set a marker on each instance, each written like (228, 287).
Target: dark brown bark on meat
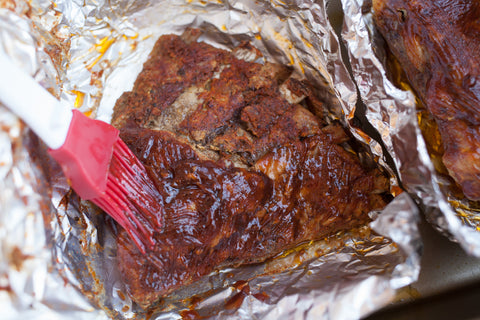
(243, 173)
(437, 43)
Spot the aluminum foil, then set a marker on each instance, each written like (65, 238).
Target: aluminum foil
(395, 113)
(88, 53)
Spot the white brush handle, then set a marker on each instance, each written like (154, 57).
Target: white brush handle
(41, 111)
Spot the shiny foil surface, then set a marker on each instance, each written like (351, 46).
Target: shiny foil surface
(57, 262)
(404, 127)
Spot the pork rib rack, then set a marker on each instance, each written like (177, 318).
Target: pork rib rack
(245, 161)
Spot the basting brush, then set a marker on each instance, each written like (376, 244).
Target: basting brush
(97, 163)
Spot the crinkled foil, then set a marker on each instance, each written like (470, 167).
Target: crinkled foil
(57, 261)
(395, 114)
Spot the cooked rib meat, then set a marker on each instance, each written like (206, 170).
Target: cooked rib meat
(243, 173)
(437, 43)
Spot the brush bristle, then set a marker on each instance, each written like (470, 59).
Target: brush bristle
(131, 197)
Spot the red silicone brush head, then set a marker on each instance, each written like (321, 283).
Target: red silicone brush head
(101, 168)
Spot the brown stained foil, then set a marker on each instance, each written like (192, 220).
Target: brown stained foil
(409, 133)
(89, 52)
(31, 285)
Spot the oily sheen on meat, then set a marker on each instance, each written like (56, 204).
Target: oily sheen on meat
(243, 158)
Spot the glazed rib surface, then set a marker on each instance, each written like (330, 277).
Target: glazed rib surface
(245, 162)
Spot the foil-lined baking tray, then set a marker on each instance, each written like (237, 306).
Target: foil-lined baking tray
(88, 53)
(407, 132)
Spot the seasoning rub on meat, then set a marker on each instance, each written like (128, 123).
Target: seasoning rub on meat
(437, 42)
(246, 164)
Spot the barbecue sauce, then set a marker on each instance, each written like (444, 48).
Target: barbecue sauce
(244, 172)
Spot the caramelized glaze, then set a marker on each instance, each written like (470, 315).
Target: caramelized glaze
(243, 174)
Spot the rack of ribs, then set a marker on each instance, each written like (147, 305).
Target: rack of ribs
(244, 158)
(437, 43)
